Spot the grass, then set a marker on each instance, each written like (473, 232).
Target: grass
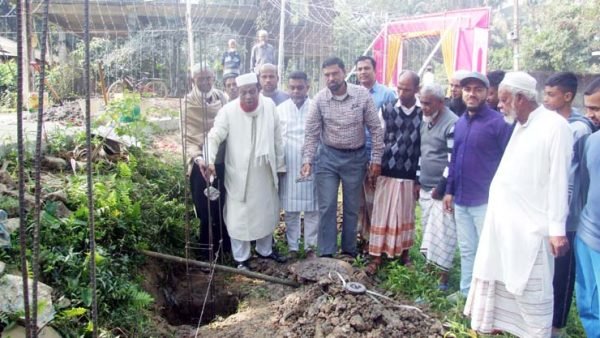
(420, 284)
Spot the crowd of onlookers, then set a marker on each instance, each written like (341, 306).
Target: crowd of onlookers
(514, 184)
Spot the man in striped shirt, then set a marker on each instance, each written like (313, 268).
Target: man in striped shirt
(336, 126)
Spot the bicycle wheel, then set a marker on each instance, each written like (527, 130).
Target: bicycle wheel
(117, 87)
(155, 88)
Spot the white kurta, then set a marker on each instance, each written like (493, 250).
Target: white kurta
(527, 202)
(295, 196)
(254, 156)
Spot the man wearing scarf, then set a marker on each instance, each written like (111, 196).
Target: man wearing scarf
(254, 157)
(202, 104)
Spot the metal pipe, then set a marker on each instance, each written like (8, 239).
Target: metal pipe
(246, 273)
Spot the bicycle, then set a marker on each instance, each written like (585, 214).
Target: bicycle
(147, 87)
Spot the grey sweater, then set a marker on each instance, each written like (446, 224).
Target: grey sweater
(436, 148)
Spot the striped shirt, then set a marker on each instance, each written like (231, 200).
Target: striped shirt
(340, 123)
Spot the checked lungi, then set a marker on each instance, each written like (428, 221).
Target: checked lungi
(393, 221)
(439, 236)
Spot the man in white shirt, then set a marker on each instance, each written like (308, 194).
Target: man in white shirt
(297, 195)
(524, 225)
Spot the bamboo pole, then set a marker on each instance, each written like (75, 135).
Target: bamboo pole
(246, 273)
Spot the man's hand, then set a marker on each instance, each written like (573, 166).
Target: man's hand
(559, 245)
(306, 170)
(448, 203)
(434, 194)
(416, 190)
(202, 165)
(374, 172)
(210, 171)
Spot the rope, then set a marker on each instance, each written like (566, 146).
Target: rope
(38, 184)
(20, 160)
(208, 288)
(90, 186)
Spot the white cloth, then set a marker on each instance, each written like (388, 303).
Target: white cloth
(295, 196)
(246, 79)
(254, 156)
(492, 307)
(293, 229)
(528, 200)
(241, 249)
(425, 201)
(439, 232)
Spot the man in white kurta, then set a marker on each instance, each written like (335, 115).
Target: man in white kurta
(297, 195)
(253, 158)
(525, 222)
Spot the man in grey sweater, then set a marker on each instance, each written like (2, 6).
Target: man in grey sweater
(437, 135)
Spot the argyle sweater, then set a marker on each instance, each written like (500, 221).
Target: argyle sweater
(402, 141)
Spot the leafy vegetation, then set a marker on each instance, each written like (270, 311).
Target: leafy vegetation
(138, 204)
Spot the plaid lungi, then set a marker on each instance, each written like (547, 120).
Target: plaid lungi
(393, 221)
(439, 236)
(492, 307)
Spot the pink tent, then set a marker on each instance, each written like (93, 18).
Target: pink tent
(463, 34)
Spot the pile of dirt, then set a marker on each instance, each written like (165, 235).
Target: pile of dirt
(327, 310)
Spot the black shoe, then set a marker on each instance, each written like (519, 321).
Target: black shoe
(274, 256)
(243, 266)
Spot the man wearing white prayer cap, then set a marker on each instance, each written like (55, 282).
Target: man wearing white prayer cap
(524, 226)
(254, 157)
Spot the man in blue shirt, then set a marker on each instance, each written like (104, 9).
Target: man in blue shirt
(365, 71)
(480, 137)
(587, 241)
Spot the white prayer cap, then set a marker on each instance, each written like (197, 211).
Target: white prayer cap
(246, 79)
(520, 80)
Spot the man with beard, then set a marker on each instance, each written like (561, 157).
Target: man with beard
(203, 103)
(268, 79)
(524, 227)
(437, 136)
(336, 125)
(254, 158)
(480, 136)
(365, 71)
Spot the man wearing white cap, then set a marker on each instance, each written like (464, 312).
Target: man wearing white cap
(254, 157)
(524, 225)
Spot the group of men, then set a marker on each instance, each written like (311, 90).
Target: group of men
(508, 181)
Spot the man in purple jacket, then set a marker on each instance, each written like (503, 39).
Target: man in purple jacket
(480, 137)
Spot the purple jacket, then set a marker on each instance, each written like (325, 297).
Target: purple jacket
(479, 144)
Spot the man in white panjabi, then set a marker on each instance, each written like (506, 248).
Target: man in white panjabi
(297, 195)
(253, 158)
(524, 225)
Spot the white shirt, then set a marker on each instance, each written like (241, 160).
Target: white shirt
(528, 199)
